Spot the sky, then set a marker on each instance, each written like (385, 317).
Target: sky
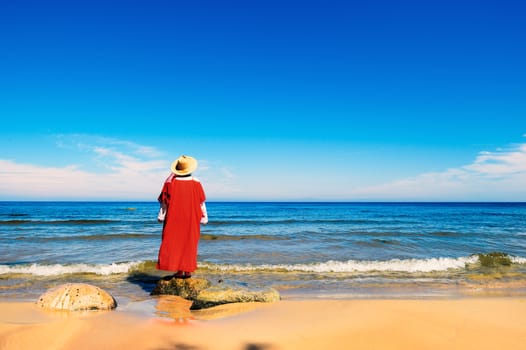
(278, 100)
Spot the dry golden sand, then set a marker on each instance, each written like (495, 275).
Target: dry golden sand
(470, 323)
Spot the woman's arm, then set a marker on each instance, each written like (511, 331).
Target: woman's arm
(204, 217)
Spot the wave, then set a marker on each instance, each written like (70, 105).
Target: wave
(307, 221)
(98, 237)
(441, 264)
(393, 265)
(115, 236)
(518, 260)
(58, 269)
(485, 213)
(56, 222)
(254, 222)
(212, 237)
(444, 233)
(19, 221)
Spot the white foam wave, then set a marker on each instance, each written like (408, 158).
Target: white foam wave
(58, 269)
(394, 265)
(518, 260)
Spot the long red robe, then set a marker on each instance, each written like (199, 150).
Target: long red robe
(181, 230)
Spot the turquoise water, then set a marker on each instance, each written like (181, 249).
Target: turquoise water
(352, 249)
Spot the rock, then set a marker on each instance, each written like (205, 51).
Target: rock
(187, 288)
(204, 295)
(218, 295)
(77, 296)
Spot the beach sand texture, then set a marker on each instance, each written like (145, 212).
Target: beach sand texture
(468, 323)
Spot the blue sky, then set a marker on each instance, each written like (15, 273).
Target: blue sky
(278, 100)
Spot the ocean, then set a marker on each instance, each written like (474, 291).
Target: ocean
(325, 250)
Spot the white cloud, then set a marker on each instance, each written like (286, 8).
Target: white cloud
(500, 163)
(27, 181)
(127, 175)
(125, 164)
(498, 175)
(110, 169)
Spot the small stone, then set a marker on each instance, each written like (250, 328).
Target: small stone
(87, 297)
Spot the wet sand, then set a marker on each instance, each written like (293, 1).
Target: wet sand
(166, 323)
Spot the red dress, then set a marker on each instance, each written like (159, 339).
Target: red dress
(181, 230)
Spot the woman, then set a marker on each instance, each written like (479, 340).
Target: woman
(183, 198)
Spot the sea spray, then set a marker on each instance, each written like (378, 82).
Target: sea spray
(58, 269)
(394, 265)
(332, 266)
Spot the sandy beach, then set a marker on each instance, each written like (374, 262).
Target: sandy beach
(468, 323)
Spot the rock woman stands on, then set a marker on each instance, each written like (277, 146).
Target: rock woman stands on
(183, 209)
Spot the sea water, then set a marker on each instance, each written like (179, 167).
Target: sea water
(301, 249)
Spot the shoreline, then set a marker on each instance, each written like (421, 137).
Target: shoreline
(166, 323)
(126, 292)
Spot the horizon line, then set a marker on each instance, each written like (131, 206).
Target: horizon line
(265, 201)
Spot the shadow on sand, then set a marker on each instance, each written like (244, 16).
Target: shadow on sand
(250, 346)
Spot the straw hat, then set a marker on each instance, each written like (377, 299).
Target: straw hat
(184, 165)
